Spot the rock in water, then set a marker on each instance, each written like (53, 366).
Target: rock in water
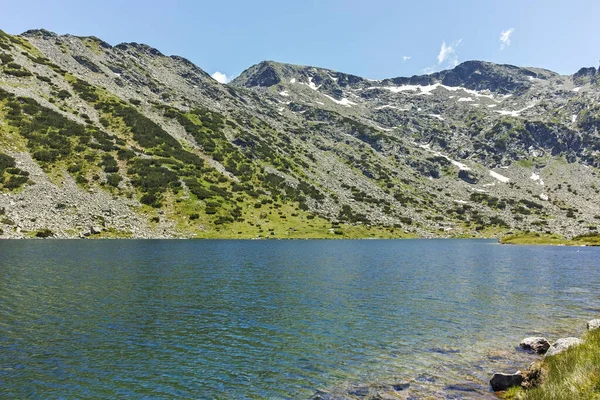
(593, 324)
(537, 344)
(562, 344)
(502, 381)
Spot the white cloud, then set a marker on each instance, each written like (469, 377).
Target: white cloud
(447, 56)
(406, 58)
(448, 52)
(505, 38)
(220, 77)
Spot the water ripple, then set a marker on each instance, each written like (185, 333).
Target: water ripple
(246, 319)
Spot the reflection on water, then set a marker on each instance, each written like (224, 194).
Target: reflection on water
(278, 319)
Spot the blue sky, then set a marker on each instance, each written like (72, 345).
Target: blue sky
(374, 39)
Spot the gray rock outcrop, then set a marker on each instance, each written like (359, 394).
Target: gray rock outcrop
(563, 344)
(593, 324)
(537, 344)
(501, 381)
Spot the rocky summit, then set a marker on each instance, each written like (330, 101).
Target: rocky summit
(124, 141)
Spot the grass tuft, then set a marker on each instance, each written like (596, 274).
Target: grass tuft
(573, 374)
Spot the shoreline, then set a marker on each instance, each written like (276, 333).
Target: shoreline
(514, 241)
(567, 368)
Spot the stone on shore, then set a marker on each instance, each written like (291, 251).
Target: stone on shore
(501, 382)
(593, 324)
(537, 344)
(563, 344)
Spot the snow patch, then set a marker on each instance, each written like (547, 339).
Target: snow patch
(544, 197)
(293, 80)
(284, 93)
(465, 99)
(492, 105)
(577, 89)
(536, 177)
(499, 177)
(427, 89)
(342, 102)
(438, 116)
(573, 118)
(461, 202)
(383, 129)
(312, 85)
(514, 113)
(460, 165)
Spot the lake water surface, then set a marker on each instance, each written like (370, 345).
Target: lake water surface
(279, 319)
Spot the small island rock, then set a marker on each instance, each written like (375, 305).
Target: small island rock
(537, 344)
(562, 344)
(593, 324)
(502, 381)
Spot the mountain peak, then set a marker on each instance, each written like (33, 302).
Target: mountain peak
(141, 47)
(42, 33)
(475, 75)
(263, 74)
(586, 75)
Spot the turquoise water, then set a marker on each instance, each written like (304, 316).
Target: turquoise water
(278, 319)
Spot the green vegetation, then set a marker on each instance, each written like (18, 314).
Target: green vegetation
(573, 374)
(590, 239)
(11, 178)
(44, 233)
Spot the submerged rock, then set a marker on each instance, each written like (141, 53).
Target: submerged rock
(563, 344)
(501, 381)
(463, 387)
(593, 324)
(537, 344)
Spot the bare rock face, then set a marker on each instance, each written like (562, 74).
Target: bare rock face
(538, 345)
(501, 381)
(593, 324)
(468, 176)
(563, 344)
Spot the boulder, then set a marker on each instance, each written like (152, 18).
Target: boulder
(537, 344)
(562, 344)
(468, 176)
(593, 324)
(95, 230)
(501, 382)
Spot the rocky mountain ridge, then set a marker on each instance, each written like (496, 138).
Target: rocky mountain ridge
(133, 143)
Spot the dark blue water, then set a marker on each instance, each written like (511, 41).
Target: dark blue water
(276, 319)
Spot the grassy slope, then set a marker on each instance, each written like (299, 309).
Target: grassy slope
(556, 240)
(573, 374)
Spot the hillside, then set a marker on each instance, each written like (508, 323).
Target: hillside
(123, 141)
